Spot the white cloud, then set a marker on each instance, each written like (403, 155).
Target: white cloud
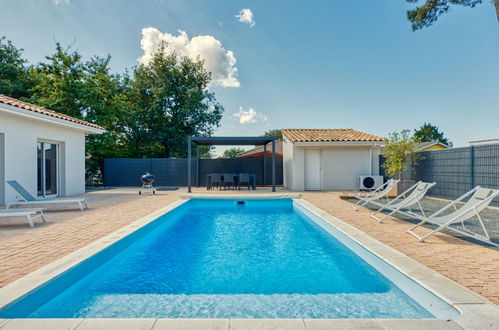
(217, 60)
(58, 2)
(249, 116)
(246, 16)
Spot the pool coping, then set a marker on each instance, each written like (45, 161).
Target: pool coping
(476, 311)
(243, 196)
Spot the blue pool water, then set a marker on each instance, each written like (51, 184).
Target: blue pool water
(214, 259)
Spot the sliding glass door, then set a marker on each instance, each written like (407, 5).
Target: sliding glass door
(47, 159)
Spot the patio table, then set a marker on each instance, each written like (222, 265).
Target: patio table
(236, 177)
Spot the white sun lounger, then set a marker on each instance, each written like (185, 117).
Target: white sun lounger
(26, 199)
(378, 194)
(30, 214)
(480, 199)
(402, 203)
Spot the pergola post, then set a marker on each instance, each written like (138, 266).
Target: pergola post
(189, 165)
(265, 164)
(273, 164)
(197, 165)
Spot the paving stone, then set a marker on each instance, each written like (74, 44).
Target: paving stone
(116, 324)
(318, 324)
(192, 324)
(41, 324)
(478, 316)
(266, 324)
(420, 325)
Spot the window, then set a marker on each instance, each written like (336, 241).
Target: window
(47, 159)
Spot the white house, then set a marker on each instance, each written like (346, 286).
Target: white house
(42, 149)
(329, 159)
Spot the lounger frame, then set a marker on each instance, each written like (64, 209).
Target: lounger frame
(404, 201)
(23, 201)
(379, 194)
(30, 215)
(462, 228)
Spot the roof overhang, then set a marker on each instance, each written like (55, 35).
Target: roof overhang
(340, 144)
(27, 114)
(231, 141)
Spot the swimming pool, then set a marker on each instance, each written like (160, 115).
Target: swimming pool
(232, 259)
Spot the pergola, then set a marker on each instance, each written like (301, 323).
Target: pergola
(229, 141)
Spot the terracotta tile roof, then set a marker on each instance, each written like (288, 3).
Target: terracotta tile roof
(35, 108)
(328, 135)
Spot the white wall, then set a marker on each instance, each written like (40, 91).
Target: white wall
(20, 141)
(293, 166)
(299, 166)
(2, 169)
(287, 164)
(341, 165)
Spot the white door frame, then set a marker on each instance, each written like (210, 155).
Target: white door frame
(57, 170)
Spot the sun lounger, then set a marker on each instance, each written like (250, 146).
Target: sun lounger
(27, 200)
(30, 214)
(479, 200)
(378, 194)
(404, 202)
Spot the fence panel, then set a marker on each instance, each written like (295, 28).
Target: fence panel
(173, 172)
(127, 171)
(486, 166)
(450, 168)
(458, 170)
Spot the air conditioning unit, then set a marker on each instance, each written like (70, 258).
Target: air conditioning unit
(370, 182)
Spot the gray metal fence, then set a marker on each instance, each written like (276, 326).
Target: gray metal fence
(173, 172)
(458, 170)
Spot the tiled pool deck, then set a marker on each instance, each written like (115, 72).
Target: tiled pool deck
(24, 250)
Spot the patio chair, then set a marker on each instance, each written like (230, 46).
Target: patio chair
(479, 200)
(216, 180)
(409, 198)
(378, 194)
(229, 180)
(245, 178)
(26, 199)
(30, 214)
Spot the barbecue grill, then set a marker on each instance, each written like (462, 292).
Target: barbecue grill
(147, 180)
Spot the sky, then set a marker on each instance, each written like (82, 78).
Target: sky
(295, 64)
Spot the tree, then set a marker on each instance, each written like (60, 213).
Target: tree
(172, 102)
(428, 13)
(148, 114)
(14, 71)
(429, 133)
(104, 103)
(399, 150)
(277, 133)
(232, 152)
(59, 83)
(85, 90)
